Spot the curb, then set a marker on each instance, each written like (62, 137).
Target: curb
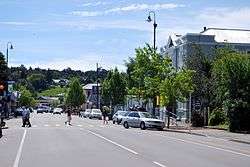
(198, 134)
(191, 133)
(239, 141)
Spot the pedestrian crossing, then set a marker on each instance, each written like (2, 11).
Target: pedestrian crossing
(63, 125)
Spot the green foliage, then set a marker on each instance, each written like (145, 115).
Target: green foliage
(3, 68)
(38, 81)
(114, 88)
(54, 91)
(217, 117)
(176, 87)
(75, 97)
(26, 98)
(146, 71)
(231, 75)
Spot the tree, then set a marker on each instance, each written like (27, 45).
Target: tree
(145, 73)
(3, 68)
(38, 81)
(75, 96)
(114, 88)
(176, 87)
(231, 75)
(26, 98)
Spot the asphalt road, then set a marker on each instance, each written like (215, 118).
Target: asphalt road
(89, 143)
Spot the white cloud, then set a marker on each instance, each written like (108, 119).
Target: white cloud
(225, 17)
(94, 4)
(138, 7)
(132, 7)
(85, 13)
(110, 24)
(83, 63)
(15, 23)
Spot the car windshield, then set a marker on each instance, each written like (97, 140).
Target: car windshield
(146, 115)
(122, 113)
(96, 111)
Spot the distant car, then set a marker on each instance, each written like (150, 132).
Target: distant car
(86, 113)
(95, 113)
(42, 109)
(117, 117)
(57, 110)
(18, 112)
(142, 120)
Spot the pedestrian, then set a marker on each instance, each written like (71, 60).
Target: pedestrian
(105, 114)
(2, 113)
(26, 117)
(68, 112)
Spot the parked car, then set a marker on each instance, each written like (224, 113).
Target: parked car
(86, 113)
(95, 113)
(42, 109)
(117, 117)
(57, 110)
(142, 120)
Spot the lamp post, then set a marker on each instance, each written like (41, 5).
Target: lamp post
(149, 19)
(97, 86)
(9, 46)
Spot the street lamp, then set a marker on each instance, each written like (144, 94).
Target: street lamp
(149, 19)
(9, 46)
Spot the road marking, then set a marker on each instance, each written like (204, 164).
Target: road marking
(91, 125)
(19, 152)
(79, 125)
(209, 146)
(46, 125)
(157, 163)
(119, 145)
(34, 126)
(102, 126)
(58, 125)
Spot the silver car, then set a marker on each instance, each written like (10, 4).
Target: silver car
(118, 116)
(142, 120)
(95, 113)
(86, 113)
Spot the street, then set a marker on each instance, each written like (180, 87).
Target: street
(49, 142)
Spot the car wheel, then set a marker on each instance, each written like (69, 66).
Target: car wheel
(113, 122)
(142, 126)
(118, 122)
(126, 125)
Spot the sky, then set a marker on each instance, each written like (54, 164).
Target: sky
(58, 34)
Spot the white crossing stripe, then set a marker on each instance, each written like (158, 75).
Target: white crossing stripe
(110, 141)
(157, 163)
(58, 125)
(79, 125)
(34, 126)
(46, 125)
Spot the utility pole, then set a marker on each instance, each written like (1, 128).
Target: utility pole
(97, 87)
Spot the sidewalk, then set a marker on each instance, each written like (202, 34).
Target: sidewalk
(222, 134)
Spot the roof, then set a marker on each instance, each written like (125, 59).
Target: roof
(172, 39)
(89, 86)
(228, 35)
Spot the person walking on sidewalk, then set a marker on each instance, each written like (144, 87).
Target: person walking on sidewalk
(26, 117)
(68, 112)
